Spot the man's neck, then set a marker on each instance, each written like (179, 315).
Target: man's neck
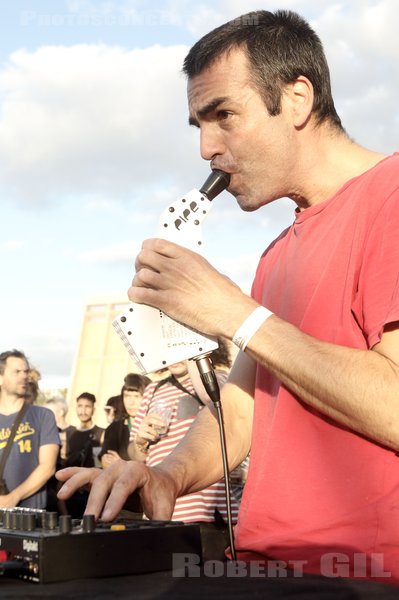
(10, 403)
(84, 426)
(329, 161)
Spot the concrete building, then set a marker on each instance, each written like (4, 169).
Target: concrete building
(101, 361)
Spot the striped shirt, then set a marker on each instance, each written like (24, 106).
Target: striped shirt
(199, 506)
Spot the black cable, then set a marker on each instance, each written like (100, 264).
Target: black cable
(209, 380)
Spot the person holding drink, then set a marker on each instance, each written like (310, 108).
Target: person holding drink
(167, 411)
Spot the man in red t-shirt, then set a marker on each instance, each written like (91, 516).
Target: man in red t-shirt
(322, 372)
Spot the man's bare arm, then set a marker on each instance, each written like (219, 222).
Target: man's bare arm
(196, 461)
(39, 476)
(357, 388)
(194, 464)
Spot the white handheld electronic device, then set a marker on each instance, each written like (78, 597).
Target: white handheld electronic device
(153, 339)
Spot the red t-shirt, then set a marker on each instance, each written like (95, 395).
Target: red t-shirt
(314, 487)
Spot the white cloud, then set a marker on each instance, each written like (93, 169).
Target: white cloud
(111, 254)
(361, 45)
(12, 245)
(88, 118)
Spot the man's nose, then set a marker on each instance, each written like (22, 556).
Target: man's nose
(211, 142)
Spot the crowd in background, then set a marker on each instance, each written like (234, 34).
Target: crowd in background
(145, 421)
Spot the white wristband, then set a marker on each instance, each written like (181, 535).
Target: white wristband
(250, 326)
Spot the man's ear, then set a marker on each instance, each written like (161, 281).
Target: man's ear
(300, 95)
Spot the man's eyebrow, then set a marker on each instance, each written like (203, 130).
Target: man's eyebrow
(208, 108)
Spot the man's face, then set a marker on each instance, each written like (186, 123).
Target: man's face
(14, 380)
(84, 410)
(131, 401)
(238, 135)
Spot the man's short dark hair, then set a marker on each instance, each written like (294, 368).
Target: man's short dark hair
(4, 356)
(280, 47)
(86, 396)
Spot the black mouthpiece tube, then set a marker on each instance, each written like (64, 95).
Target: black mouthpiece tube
(215, 184)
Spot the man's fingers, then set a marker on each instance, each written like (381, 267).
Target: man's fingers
(158, 499)
(110, 491)
(98, 496)
(162, 511)
(111, 487)
(64, 474)
(154, 249)
(75, 478)
(161, 247)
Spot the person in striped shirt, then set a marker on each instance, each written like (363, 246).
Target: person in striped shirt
(166, 413)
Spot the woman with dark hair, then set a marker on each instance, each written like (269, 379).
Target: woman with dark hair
(113, 408)
(116, 438)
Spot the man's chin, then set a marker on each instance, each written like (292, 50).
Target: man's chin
(245, 204)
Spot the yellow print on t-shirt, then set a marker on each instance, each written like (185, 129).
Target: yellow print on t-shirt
(24, 430)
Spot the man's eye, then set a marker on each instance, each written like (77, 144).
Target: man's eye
(223, 114)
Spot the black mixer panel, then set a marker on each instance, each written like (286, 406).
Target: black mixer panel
(43, 547)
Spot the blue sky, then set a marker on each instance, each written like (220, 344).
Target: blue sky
(94, 144)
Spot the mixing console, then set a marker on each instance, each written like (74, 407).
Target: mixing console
(42, 547)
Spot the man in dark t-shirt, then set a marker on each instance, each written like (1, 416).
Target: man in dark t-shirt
(83, 445)
(85, 441)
